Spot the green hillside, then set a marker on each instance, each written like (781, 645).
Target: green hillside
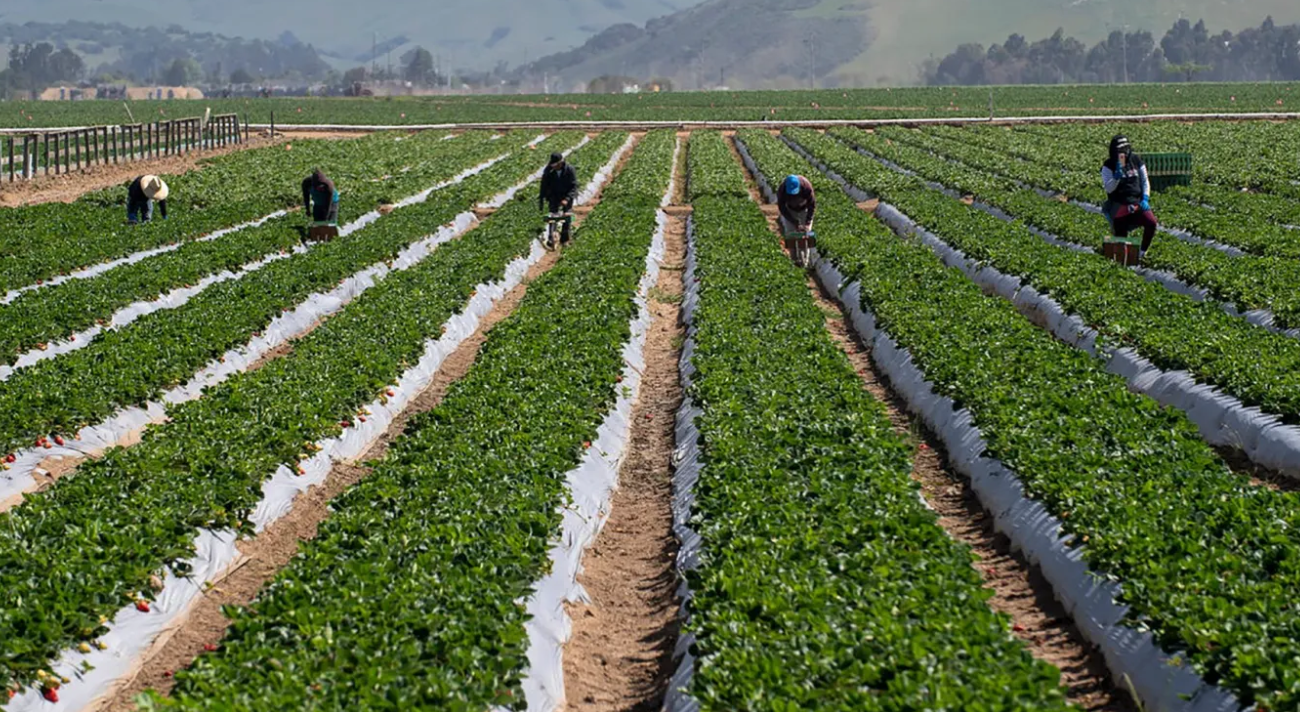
(771, 44)
(476, 34)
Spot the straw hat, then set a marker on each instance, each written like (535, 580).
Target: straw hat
(154, 188)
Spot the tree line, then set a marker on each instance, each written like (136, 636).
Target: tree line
(1186, 52)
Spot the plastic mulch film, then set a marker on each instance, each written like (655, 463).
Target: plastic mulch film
(591, 486)
(1221, 418)
(1259, 317)
(686, 473)
(600, 177)
(131, 634)
(96, 270)
(124, 425)
(1162, 681)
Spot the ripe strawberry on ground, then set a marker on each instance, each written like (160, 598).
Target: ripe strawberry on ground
(51, 694)
(142, 606)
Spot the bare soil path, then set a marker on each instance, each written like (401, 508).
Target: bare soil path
(1019, 589)
(620, 655)
(67, 187)
(264, 556)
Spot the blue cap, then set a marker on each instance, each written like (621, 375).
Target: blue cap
(791, 185)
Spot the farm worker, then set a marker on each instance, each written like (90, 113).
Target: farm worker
(797, 204)
(140, 198)
(559, 190)
(320, 198)
(1128, 193)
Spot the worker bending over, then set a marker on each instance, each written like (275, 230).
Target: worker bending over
(320, 198)
(797, 204)
(140, 197)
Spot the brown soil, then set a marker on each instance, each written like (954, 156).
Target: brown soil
(1258, 475)
(262, 558)
(1020, 591)
(68, 187)
(620, 656)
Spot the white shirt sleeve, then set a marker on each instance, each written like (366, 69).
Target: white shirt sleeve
(1146, 182)
(1109, 180)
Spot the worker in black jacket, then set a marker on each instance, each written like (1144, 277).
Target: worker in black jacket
(140, 198)
(559, 190)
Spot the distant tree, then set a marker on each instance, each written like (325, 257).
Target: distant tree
(241, 76)
(1187, 70)
(355, 75)
(65, 66)
(182, 72)
(419, 67)
(609, 84)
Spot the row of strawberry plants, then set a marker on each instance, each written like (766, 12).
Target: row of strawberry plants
(410, 595)
(824, 580)
(1235, 155)
(132, 365)
(1078, 167)
(136, 511)
(1248, 282)
(39, 242)
(1176, 332)
(1203, 558)
(1219, 214)
(58, 311)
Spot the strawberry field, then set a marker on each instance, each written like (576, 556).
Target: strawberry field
(960, 462)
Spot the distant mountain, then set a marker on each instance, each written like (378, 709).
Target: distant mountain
(777, 44)
(752, 43)
(477, 34)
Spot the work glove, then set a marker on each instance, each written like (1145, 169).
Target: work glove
(1146, 202)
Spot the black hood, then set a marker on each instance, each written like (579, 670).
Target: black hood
(1118, 145)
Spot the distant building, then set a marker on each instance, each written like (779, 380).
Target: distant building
(68, 94)
(150, 93)
(132, 93)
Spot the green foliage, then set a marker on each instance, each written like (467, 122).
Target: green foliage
(1201, 554)
(825, 582)
(86, 547)
(1172, 330)
(1248, 281)
(410, 595)
(55, 312)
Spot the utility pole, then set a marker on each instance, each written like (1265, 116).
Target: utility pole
(374, 53)
(1126, 54)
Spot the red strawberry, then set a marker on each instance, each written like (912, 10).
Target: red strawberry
(50, 693)
(167, 673)
(210, 647)
(1018, 628)
(58, 439)
(142, 606)
(10, 457)
(46, 444)
(586, 445)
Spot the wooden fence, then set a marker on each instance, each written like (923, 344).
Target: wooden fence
(54, 152)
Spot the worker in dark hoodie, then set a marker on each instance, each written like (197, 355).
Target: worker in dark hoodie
(559, 190)
(1128, 193)
(320, 198)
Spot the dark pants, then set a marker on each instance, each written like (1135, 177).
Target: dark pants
(568, 222)
(139, 211)
(1145, 219)
(324, 206)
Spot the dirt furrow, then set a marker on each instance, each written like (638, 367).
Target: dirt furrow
(68, 187)
(1019, 589)
(262, 557)
(620, 655)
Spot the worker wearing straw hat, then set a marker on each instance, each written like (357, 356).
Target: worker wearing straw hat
(140, 198)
